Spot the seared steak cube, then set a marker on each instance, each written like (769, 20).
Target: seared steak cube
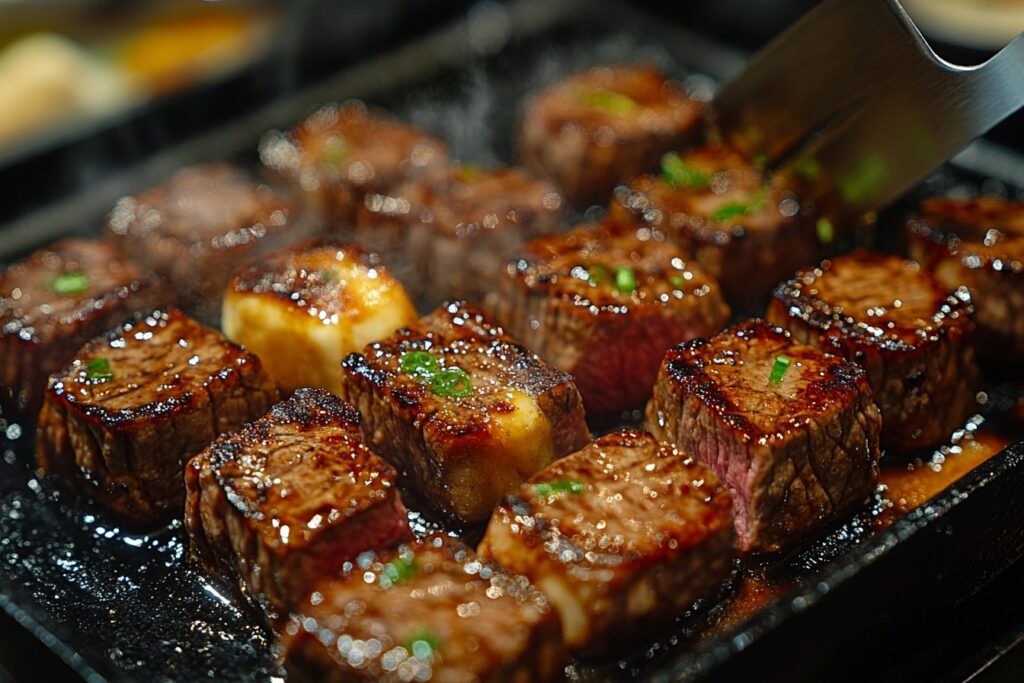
(430, 611)
(908, 331)
(979, 244)
(120, 421)
(53, 302)
(745, 230)
(465, 413)
(595, 129)
(621, 536)
(604, 303)
(792, 432)
(303, 309)
(341, 153)
(290, 499)
(199, 226)
(452, 233)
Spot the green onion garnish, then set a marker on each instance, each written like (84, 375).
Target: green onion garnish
(452, 383)
(334, 150)
(611, 101)
(398, 570)
(730, 210)
(67, 284)
(422, 644)
(468, 173)
(678, 173)
(760, 161)
(598, 275)
(677, 281)
(547, 489)
(326, 275)
(826, 231)
(807, 168)
(98, 371)
(782, 364)
(625, 280)
(420, 364)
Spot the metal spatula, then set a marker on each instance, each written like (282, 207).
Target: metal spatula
(853, 100)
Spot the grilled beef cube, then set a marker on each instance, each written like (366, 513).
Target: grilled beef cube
(595, 129)
(453, 233)
(120, 421)
(302, 310)
(465, 413)
(979, 244)
(792, 432)
(339, 154)
(53, 302)
(906, 329)
(290, 498)
(604, 303)
(745, 230)
(429, 611)
(198, 227)
(621, 536)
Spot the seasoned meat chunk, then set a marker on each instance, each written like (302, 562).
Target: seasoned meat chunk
(303, 309)
(429, 611)
(621, 536)
(120, 421)
(341, 153)
(746, 231)
(604, 303)
(452, 233)
(792, 432)
(908, 331)
(199, 226)
(978, 244)
(53, 302)
(290, 498)
(595, 129)
(464, 412)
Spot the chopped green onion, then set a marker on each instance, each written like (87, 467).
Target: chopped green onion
(67, 284)
(452, 383)
(782, 364)
(760, 161)
(677, 281)
(422, 644)
(398, 570)
(98, 371)
(625, 280)
(598, 275)
(826, 231)
(334, 150)
(678, 173)
(807, 168)
(556, 488)
(420, 364)
(468, 173)
(611, 101)
(730, 210)
(326, 275)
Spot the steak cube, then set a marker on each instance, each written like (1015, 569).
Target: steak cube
(746, 231)
(908, 331)
(465, 413)
(53, 302)
(120, 421)
(303, 309)
(595, 129)
(622, 537)
(454, 232)
(604, 303)
(792, 432)
(341, 153)
(430, 611)
(290, 499)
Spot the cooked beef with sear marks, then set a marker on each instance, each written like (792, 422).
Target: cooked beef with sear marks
(911, 334)
(290, 499)
(53, 302)
(622, 536)
(199, 226)
(792, 432)
(593, 130)
(120, 421)
(303, 309)
(428, 611)
(465, 413)
(747, 231)
(978, 244)
(451, 234)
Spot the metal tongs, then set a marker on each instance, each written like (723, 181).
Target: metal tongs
(852, 101)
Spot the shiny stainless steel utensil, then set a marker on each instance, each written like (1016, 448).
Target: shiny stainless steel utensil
(852, 100)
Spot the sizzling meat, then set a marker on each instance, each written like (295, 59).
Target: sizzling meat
(592, 130)
(906, 329)
(604, 303)
(621, 536)
(792, 432)
(465, 413)
(744, 230)
(430, 611)
(302, 310)
(290, 498)
(53, 302)
(123, 417)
